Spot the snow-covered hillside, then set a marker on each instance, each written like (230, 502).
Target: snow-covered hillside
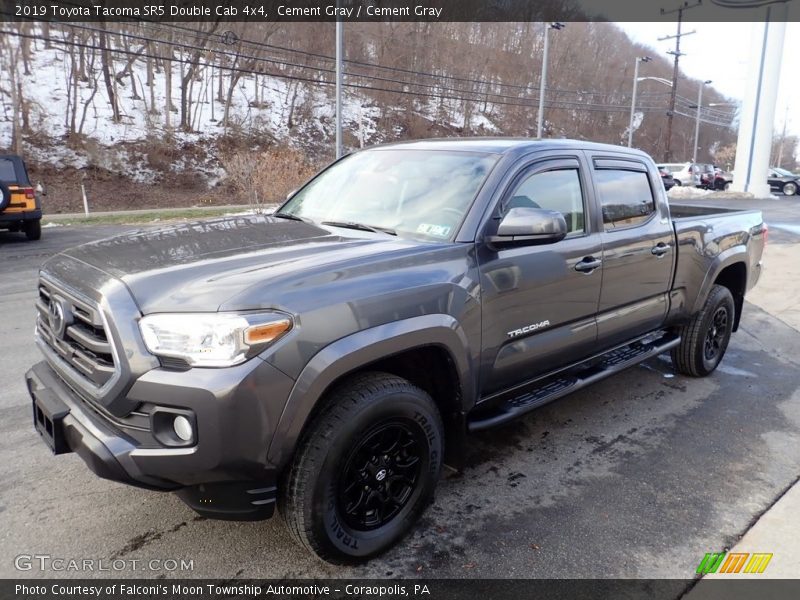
(272, 109)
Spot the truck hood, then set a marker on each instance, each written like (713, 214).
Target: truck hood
(202, 266)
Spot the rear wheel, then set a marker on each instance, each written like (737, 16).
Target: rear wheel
(33, 229)
(705, 338)
(789, 189)
(365, 470)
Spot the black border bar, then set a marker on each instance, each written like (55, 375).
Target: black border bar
(367, 11)
(397, 589)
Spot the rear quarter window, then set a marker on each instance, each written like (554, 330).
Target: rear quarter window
(7, 172)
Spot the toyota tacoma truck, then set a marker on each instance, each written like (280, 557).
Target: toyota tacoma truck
(328, 358)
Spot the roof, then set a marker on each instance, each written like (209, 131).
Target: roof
(501, 145)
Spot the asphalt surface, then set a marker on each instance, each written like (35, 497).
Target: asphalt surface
(638, 476)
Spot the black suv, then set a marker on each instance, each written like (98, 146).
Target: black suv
(20, 207)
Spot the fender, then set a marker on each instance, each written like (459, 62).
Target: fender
(359, 349)
(731, 256)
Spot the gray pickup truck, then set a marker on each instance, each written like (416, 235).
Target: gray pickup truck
(328, 358)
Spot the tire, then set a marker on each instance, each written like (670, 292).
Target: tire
(375, 431)
(678, 182)
(705, 338)
(5, 195)
(727, 186)
(789, 189)
(33, 229)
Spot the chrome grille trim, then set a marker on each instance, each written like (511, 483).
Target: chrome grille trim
(86, 356)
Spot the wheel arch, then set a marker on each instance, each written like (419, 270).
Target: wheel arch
(431, 351)
(732, 274)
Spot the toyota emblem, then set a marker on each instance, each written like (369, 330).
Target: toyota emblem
(58, 316)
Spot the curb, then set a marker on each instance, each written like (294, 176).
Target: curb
(159, 211)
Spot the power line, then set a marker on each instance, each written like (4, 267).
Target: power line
(562, 105)
(465, 95)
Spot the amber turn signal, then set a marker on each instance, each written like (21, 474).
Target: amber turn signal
(262, 334)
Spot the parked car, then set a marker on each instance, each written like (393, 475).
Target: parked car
(783, 181)
(329, 357)
(683, 173)
(722, 179)
(666, 178)
(20, 206)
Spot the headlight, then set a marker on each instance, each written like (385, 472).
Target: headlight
(212, 339)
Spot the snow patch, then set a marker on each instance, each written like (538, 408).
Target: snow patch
(684, 191)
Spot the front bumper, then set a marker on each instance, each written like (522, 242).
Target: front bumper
(225, 475)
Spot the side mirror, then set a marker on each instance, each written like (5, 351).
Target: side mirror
(41, 189)
(529, 226)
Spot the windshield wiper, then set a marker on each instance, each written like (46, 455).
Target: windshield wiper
(360, 226)
(291, 217)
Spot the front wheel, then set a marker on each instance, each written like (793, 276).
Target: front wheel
(365, 469)
(705, 338)
(789, 189)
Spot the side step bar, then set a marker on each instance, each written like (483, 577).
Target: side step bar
(556, 385)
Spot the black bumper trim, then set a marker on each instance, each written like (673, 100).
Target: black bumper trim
(18, 217)
(231, 501)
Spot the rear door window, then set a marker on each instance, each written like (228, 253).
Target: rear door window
(625, 196)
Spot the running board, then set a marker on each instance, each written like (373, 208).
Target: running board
(554, 386)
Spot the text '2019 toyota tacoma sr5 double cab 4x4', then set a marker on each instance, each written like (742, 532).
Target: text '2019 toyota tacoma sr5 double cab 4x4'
(329, 357)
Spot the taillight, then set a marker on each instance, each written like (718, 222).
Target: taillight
(29, 193)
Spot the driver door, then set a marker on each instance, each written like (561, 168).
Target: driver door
(540, 302)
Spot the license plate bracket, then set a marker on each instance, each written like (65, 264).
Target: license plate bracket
(48, 419)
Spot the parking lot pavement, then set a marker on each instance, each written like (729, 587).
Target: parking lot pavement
(638, 476)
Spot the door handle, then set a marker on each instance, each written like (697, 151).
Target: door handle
(659, 249)
(588, 264)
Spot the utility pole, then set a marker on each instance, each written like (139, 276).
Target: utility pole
(677, 54)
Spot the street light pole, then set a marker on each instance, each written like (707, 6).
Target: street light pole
(339, 75)
(639, 59)
(697, 118)
(543, 81)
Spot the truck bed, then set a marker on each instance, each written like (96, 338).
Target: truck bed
(687, 211)
(706, 235)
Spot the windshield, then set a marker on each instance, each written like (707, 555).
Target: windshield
(419, 193)
(783, 172)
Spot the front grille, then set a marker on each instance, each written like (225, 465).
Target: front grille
(79, 338)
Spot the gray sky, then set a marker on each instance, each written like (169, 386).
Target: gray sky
(720, 52)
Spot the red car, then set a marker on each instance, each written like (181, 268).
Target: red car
(714, 178)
